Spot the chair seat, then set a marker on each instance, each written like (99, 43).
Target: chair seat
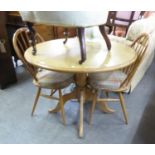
(51, 79)
(109, 80)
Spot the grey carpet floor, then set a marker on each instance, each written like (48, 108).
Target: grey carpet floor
(17, 125)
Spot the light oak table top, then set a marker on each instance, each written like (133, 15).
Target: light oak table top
(54, 55)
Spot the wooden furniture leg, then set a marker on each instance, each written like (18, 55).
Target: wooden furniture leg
(62, 107)
(82, 100)
(32, 36)
(105, 108)
(65, 98)
(36, 100)
(103, 32)
(82, 44)
(83, 93)
(123, 107)
(93, 107)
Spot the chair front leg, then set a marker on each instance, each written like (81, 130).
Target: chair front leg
(123, 107)
(36, 100)
(82, 100)
(93, 107)
(62, 107)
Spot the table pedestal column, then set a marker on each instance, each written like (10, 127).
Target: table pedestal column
(83, 94)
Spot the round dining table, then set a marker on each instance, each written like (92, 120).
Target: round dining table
(54, 55)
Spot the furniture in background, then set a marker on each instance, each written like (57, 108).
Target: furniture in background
(145, 25)
(41, 78)
(119, 21)
(76, 19)
(7, 71)
(118, 81)
(48, 32)
(13, 23)
(54, 55)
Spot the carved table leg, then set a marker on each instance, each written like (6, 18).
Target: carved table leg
(103, 32)
(32, 37)
(66, 36)
(81, 36)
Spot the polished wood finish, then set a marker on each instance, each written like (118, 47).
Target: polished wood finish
(46, 31)
(54, 55)
(61, 32)
(140, 46)
(54, 32)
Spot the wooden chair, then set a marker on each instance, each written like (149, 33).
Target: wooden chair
(41, 78)
(122, 19)
(118, 81)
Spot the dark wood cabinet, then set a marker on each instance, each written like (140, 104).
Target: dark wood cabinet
(14, 22)
(10, 21)
(7, 71)
(54, 32)
(59, 32)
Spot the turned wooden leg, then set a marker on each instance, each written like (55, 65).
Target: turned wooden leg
(82, 44)
(36, 100)
(82, 98)
(32, 37)
(123, 107)
(93, 107)
(103, 32)
(62, 107)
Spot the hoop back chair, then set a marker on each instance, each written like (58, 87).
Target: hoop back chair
(119, 81)
(41, 78)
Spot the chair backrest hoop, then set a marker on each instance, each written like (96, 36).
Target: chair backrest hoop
(21, 41)
(140, 46)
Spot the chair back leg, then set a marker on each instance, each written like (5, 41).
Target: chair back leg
(123, 107)
(62, 107)
(92, 107)
(36, 100)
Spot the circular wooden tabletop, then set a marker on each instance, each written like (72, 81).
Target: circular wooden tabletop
(56, 56)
